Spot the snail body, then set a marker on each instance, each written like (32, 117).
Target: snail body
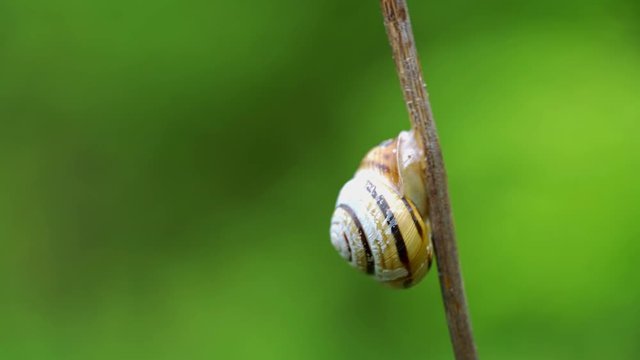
(380, 222)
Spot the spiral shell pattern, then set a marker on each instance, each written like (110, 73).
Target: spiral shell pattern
(375, 226)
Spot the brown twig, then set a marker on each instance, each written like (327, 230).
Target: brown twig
(398, 25)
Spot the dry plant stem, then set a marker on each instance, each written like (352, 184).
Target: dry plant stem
(397, 23)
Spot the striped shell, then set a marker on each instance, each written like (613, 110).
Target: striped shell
(380, 223)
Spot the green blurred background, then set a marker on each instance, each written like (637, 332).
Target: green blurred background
(168, 170)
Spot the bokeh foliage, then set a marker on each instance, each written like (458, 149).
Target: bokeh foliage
(168, 170)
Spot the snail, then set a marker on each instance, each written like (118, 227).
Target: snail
(380, 224)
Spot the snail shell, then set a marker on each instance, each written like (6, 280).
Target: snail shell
(380, 223)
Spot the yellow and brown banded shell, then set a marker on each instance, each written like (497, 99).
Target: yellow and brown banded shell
(380, 225)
